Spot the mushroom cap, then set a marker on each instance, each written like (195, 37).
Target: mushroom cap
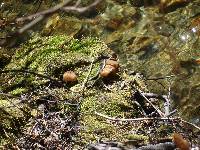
(181, 143)
(108, 71)
(69, 76)
(113, 63)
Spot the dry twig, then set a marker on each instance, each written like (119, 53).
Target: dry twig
(46, 13)
(31, 72)
(87, 77)
(37, 17)
(162, 97)
(81, 9)
(191, 124)
(146, 118)
(158, 111)
(135, 119)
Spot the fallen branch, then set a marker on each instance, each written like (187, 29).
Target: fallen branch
(191, 124)
(162, 97)
(135, 119)
(116, 145)
(146, 118)
(161, 78)
(153, 95)
(158, 111)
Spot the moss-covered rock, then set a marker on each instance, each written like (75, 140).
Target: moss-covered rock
(35, 75)
(146, 41)
(39, 61)
(51, 57)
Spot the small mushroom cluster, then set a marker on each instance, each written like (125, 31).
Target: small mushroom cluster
(110, 69)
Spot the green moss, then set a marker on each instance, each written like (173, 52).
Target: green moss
(139, 138)
(9, 107)
(12, 118)
(112, 103)
(51, 56)
(18, 91)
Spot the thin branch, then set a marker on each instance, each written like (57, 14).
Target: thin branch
(87, 77)
(43, 15)
(158, 111)
(162, 97)
(142, 119)
(31, 72)
(78, 3)
(135, 119)
(141, 109)
(99, 69)
(191, 124)
(171, 113)
(153, 95)
(31, 24)
(45, 12)
(60, 7)
(161, 78)
(81, 9)
(9, 95)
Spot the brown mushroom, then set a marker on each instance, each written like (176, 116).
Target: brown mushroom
(113, 63)
(69, 76)
(107, 71)
(181, 143)
(111, 67)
